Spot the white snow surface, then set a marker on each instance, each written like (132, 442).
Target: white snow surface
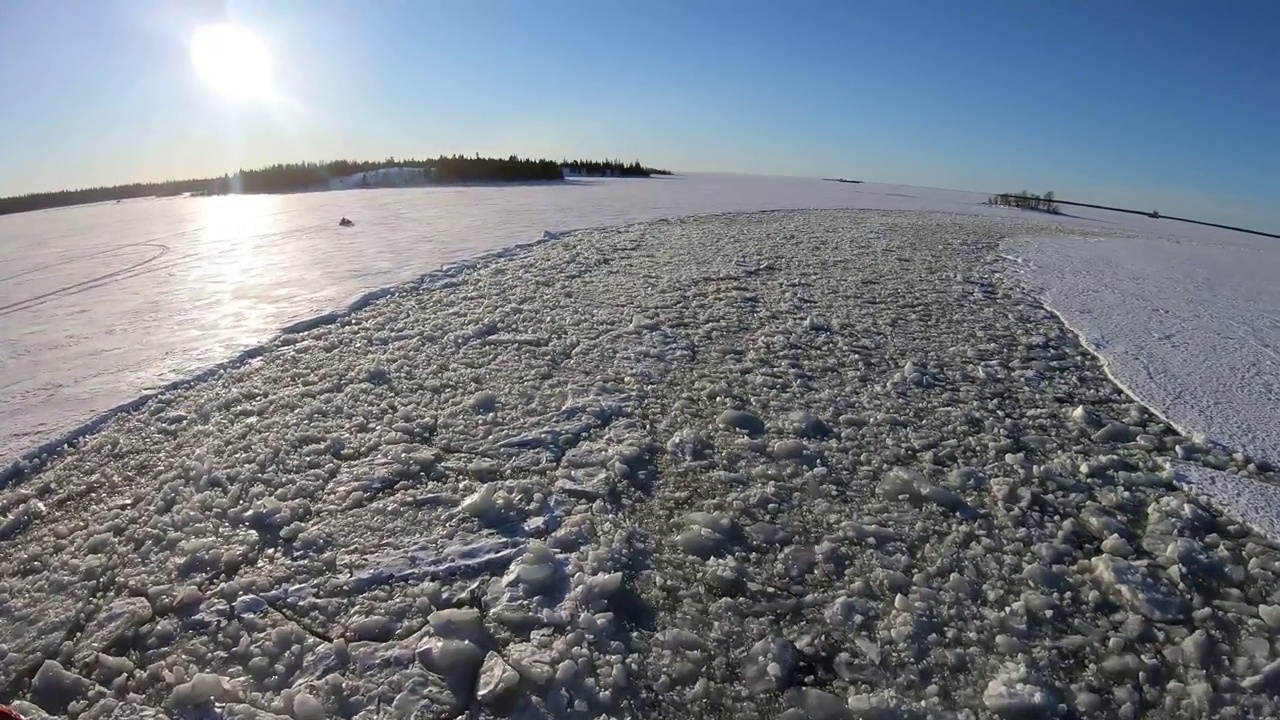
(101, 304)
(1253, 503)
(1189, 325)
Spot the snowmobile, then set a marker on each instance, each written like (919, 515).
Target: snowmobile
(345, 222)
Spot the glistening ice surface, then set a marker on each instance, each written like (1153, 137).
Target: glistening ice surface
(797, 465)
(99, 304)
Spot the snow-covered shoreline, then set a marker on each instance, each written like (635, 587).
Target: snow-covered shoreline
(32, 460)
(1190, 327)
(796, 464)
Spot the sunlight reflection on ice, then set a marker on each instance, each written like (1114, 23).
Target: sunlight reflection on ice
(235, 252)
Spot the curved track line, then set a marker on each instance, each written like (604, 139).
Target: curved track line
(91, 283)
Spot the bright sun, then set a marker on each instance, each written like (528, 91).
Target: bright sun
(232, 61)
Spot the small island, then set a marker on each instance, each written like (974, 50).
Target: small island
(1026, 201)
(343, 175)
(842, 180)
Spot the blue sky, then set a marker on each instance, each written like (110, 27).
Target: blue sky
(1173, 104)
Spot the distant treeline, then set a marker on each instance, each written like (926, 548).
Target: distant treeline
(1027, 201)
(1154, 214)
(610, 167)
(297, 177)
(301, 177)
(38, 201)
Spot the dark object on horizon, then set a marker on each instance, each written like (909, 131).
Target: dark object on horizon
(1027, 201)
(852, 182)
(996, 200)
(345, 222)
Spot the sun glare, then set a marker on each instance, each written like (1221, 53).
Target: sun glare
(232, 61)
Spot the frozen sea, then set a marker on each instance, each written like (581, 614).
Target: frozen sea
(736, 465)
(100, 304)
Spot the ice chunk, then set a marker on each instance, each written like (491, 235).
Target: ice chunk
(1114, 432)
(807, 425)
(788, 449)
(878, 707)
(375, 628)
(818, 704)
(457, 661)
(53, 688)
(701, 542)
(1139, 590)
(106, 668)
(869, 649)
(484, 470)
(100, 543)
(484, 402)
(1102, 524)
(1084, 416)
(1043, 575)
(769, 666)
(909, 485)
(742, 420)
(679, 639)
(27, 711)
(817, 324)
(1267, 679)
(768, 534)
(497, 679)
(715, 522)
(536, 573)
(589, 483)
(306, 707)
(116, 621)
(690, 447)
(201, 689)
(458, 624)
(1118, 546)
(27, 513)
(1270, 615)
(640, 322)
(481, 504)
(605, 585)
(708, 535)
(1015, 693)
(531, 662)
(797, 561)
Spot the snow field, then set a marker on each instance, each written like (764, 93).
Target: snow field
(794, 464)
(1190, 326)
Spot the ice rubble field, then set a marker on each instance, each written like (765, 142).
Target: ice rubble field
(100, 304)
(797, 464)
